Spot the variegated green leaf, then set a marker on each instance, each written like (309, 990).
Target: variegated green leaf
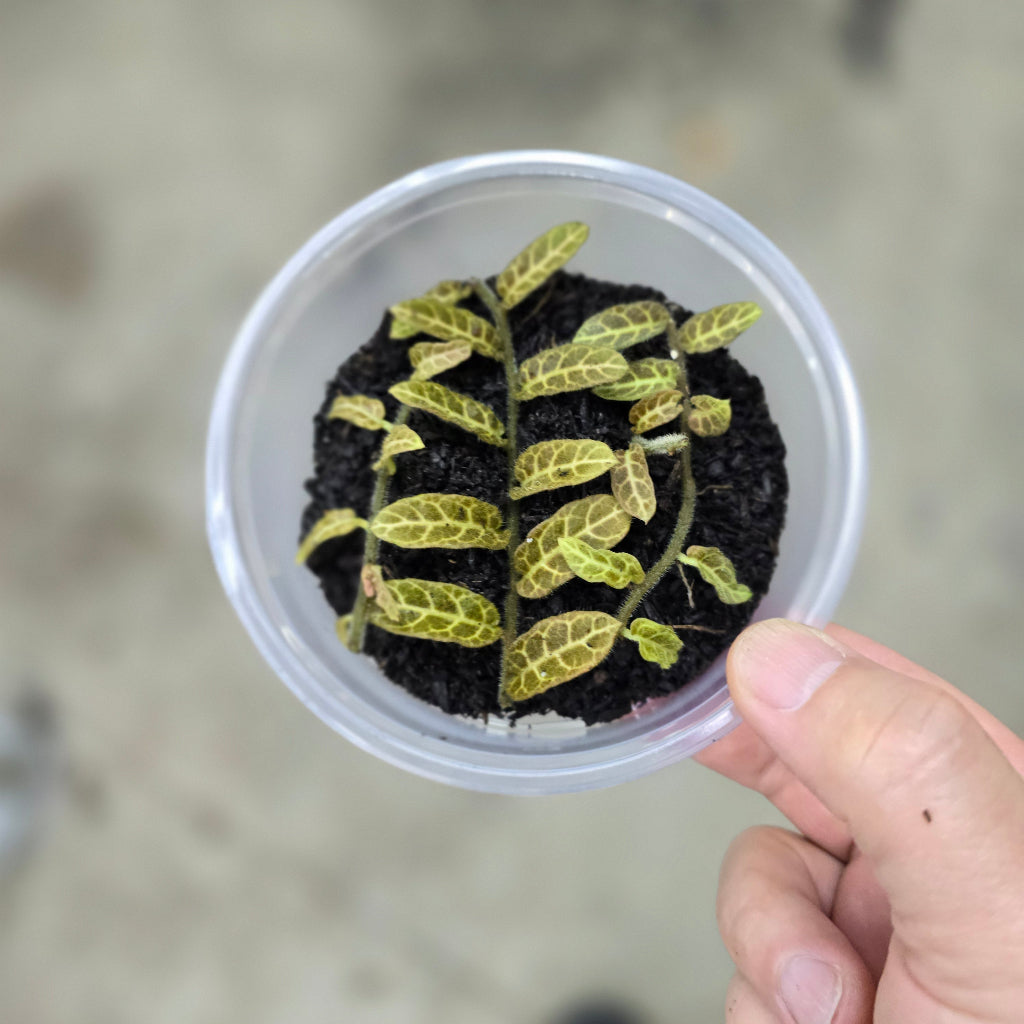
(444, 612)
(448, 292)
(449, 323)
(558, 649)
(343, 627)
(616, 568)
(656, 410)
(709, 416)
(632, 484)
(715, 568)
(441, 521)
(538, 261)
(657, 642)
(704, 332)
(665, 444)
(429, 358)
(401, 439)
(569, 368)
(644, 377)
(338, 522)
(622, 326)
(599, 520)
(372, 579)
(361, 410)
(550, 464)
(451, 406)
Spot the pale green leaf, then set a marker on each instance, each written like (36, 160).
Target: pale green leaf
(429, 358)
(558, 649)
(569, 368)
(598, 520)
(538, 261)
(372, 579)
(550, 464)
(709, 416)
(665, 444)
(704, 332)
(361, 410)
(644, 377)
(632, 484)
(338, 522)
(441, 521)
(715, 568)
(401, 439)
(616, 568)
(448, 292)
(657, 642)
(656, 410)
(453, 407)
(343, 627)
(449, 323)
(429, 610)
(622, 326)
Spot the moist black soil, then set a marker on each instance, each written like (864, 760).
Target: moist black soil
(741, 504)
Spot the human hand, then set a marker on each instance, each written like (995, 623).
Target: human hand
(903, 900)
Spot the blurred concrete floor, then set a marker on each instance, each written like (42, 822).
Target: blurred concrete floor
(221, 856)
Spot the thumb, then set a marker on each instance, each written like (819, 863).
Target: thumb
(928, 797)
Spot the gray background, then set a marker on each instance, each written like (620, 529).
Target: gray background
(219, 856)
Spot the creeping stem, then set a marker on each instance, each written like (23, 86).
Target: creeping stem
(689, 503)
(357, 627)
(493, 304)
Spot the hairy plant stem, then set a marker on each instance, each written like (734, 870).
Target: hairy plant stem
(511, 623)
(357, 627)
(689, 503)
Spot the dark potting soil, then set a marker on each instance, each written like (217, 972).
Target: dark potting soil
(741, 504)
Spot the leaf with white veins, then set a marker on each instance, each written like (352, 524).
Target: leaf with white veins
(538, 261)
(715, 568)
(361, 410)
(656, 410)
(644, 377)
(560, 463)
(448, 292)
(632, 484)
(372, 579)
(429, 358)
(568, 368)
(429, 610)
(616, 568)
(337, 522)
(441, 521)
(622, 326)
(709, 416)
(453, 407)
(657, 642)
(401, 439)
(704, 332)
(450, 323)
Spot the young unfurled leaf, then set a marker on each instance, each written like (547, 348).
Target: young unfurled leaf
(715, 568)
(550, 464)
(440, 521)
(599, 520)
(538, 261)
(401, 439)
(361, 410)
(338, 522)
(449, 323)
(343, 627)
(644, 377)
(429, 358)
(657, 642)
(704, 332)
(656, 410)
(448, 292)
(557, 649)
(451, 406)
(569, 368)
(622, 326)
(632, 484)
(666, 444)
(372, 579)
(709, 416)
(430, 610)
(616, 568)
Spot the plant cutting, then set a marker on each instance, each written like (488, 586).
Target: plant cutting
(542, 492)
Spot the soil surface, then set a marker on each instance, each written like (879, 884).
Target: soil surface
(741, 504)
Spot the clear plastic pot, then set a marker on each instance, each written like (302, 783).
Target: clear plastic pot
(464, 218)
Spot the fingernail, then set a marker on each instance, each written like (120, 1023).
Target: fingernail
(810, 989)
(782, 663)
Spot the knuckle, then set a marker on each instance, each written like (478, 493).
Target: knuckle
(742, 884)
(920, 735)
